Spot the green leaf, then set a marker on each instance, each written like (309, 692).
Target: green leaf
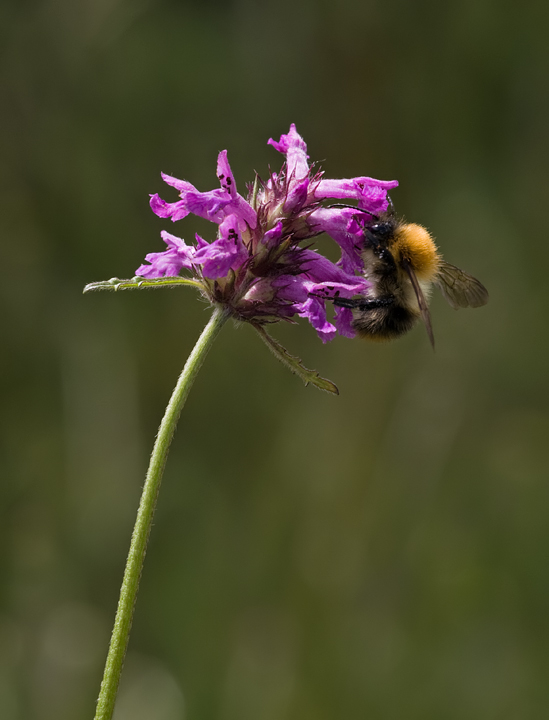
(139, 283)
(294, 363)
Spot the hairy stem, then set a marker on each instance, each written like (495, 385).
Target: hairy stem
(140, 537)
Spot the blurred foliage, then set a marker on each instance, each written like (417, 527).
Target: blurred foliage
(381, 554)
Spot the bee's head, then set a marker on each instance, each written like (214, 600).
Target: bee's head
(380, 233)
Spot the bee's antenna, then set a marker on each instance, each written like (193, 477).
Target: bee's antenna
(354, 207)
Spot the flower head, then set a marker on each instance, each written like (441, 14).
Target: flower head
(261, 266)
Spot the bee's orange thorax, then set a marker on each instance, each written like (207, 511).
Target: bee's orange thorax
(415, 244)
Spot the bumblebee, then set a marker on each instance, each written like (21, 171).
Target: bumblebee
(402, 262)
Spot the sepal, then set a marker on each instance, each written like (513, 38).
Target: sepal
(294, 364)
(139, 283)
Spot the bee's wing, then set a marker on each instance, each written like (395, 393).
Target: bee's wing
(460, 289)
(421, 301)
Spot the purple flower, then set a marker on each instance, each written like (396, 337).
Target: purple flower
(168, 263)
(227, 253)
(257, 266)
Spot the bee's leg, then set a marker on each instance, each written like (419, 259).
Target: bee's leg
(364, 303)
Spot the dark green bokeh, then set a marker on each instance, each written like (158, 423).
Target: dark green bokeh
(378, 555)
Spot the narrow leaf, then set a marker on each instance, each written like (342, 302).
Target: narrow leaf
(294, 363)
(139, 283)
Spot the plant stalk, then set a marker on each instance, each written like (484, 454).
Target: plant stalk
(142, 528)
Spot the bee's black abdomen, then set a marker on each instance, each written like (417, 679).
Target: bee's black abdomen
(384, 323)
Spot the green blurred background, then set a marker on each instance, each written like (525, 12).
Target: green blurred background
(382, 554)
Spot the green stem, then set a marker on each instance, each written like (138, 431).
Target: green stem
(141, 531)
